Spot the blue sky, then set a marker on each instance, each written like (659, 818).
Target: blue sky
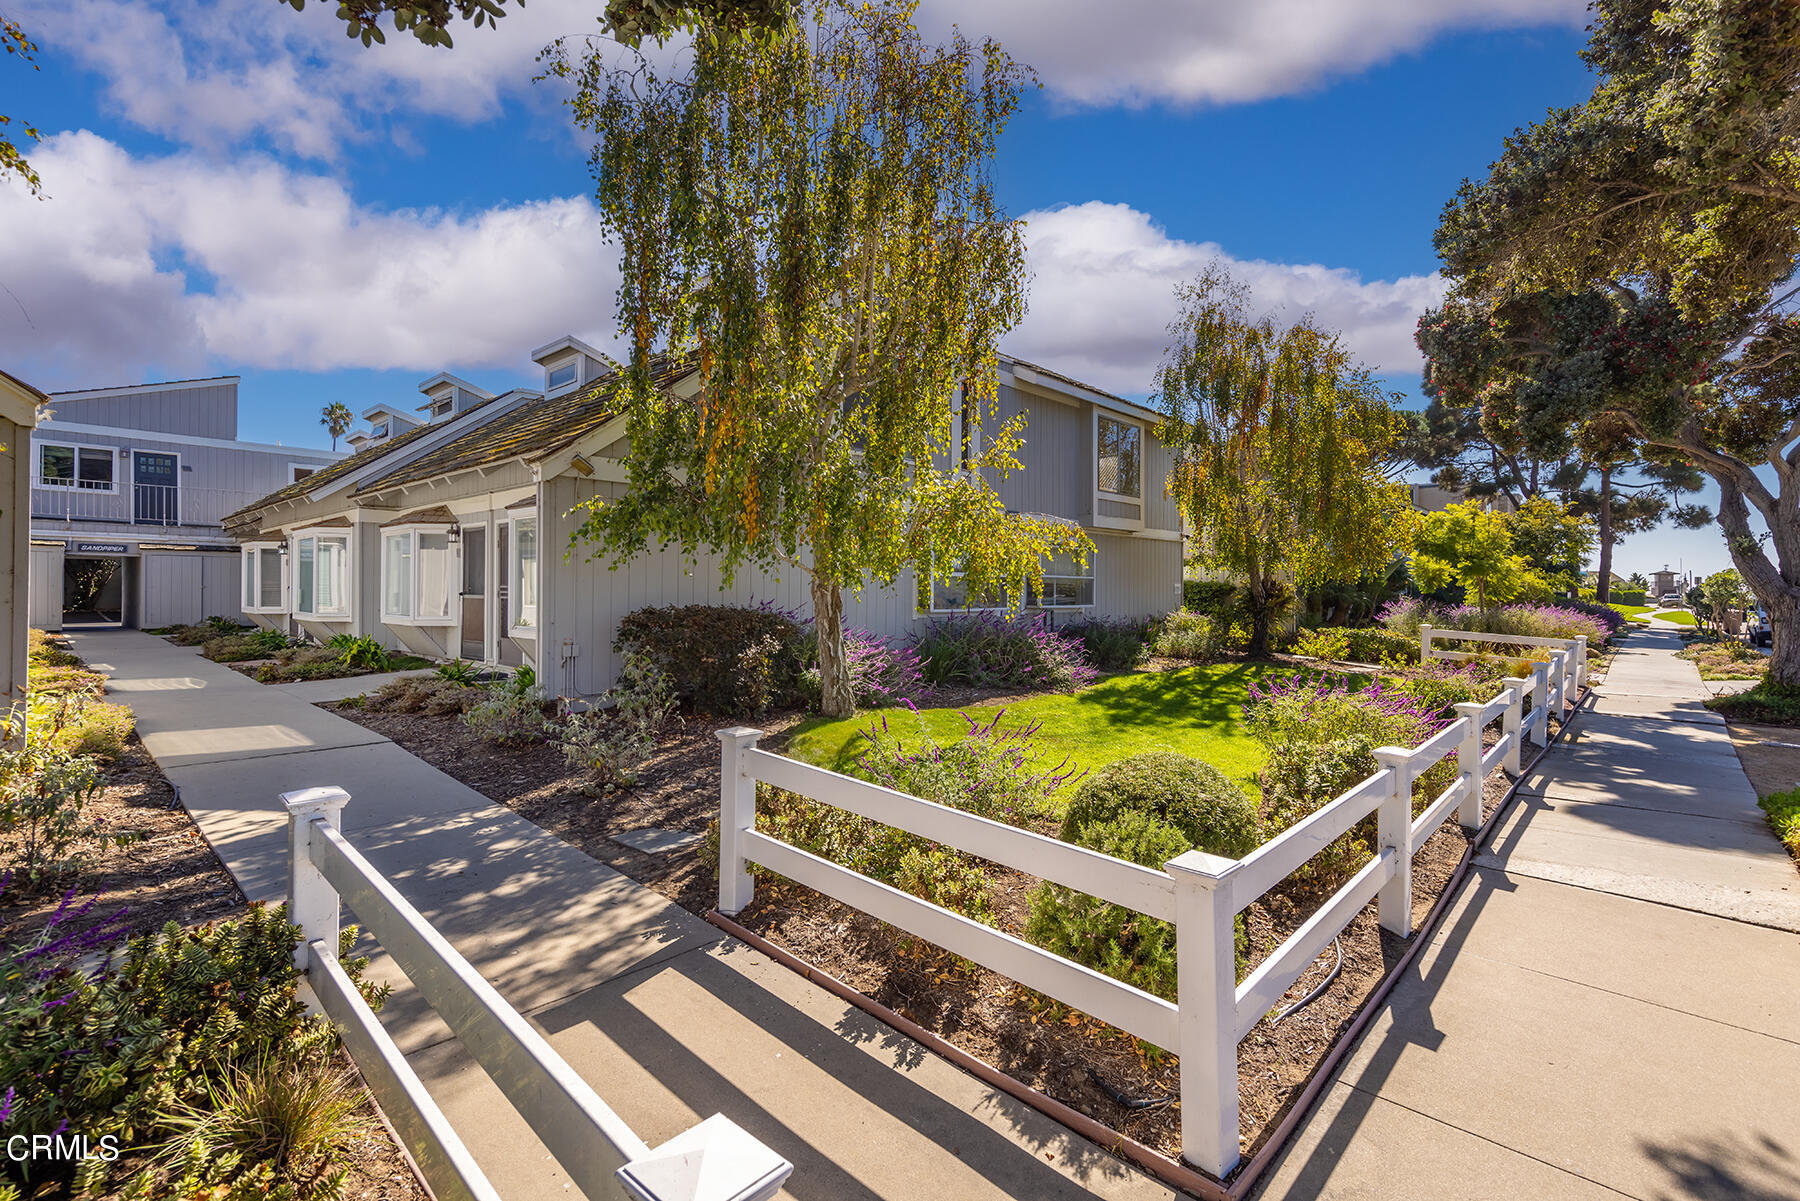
(233, 187)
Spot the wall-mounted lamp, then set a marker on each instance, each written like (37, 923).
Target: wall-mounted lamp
(454, 534)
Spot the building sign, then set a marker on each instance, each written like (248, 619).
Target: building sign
(99, 548)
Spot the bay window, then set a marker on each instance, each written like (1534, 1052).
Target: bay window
(263, 591)
(416, 583)
(321, 574)
(523, 573)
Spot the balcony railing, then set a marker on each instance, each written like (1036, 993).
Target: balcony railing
(136, 504)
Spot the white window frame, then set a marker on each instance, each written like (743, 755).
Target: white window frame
(1100, 494)
(572, 361)
(73, 484)
(317, 534)
(517, 628)
(1090, 577)
(294, 469)
(452, 579)
(250, 571)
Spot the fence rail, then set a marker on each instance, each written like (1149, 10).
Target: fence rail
(597, 1148)
(1199, 892)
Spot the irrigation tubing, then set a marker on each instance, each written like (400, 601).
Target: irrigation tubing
(1171, 1171)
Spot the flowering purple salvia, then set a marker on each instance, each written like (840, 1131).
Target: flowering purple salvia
(6, 1104)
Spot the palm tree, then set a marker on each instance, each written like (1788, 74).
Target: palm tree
(336, 418)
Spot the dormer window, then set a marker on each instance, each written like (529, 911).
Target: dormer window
(562, 375)
(440, 408)
(378, 431)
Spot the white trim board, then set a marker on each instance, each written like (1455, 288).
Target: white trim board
(137, 435)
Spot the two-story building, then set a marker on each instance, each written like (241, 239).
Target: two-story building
(450, 538)
(128, 488)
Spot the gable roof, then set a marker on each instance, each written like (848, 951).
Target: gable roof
(534, 430)
(306, 485)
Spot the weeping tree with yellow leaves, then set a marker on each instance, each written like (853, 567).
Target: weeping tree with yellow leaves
(1280, 442)
(807, 216)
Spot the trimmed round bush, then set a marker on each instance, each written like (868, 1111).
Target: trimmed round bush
(1191, 795)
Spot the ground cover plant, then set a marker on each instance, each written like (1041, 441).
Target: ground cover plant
(1765, 703)
(1783, 809)
(340, 657)
(1724, 659)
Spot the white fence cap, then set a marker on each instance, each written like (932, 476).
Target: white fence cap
(718, 1160)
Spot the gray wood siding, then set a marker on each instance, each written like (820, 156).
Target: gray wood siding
(586, 599)
(1051, 481)
(1136, 577)
(213, 481)
(46, 574)
(204, 410)
(180, 588)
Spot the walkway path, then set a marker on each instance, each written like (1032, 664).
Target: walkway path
(1610, 1009)
(669, 1020)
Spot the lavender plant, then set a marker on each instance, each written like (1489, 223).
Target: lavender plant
(994, 650)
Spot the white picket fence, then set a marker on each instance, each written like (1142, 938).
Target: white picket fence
(596, 1148)
(1200, 893)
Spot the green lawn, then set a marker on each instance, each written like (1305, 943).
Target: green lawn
(1631, 611)
(1195, 710)
(1680, 617)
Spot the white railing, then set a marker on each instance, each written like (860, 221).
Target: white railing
(1568, 656)
(1201, 893)
(596, 1148)
(136, 504)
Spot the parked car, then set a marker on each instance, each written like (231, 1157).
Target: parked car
(1669, 600)
(1757, 627)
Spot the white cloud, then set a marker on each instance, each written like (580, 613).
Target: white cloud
(219, 74)
(165, 264)
(1102, 295)
(1221, 51)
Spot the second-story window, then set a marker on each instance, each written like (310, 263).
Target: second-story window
(84, 467)
(560, 376)
(1120, 446)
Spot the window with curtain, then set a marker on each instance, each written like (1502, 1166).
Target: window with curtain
(524, 573)
(321, 576)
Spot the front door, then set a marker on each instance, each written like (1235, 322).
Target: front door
(155, 488)
(474, 592)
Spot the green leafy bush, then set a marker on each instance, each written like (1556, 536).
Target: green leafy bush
(992, 770)
(1190, 794)
(1112, 645)
(995, 650)
(1783, 809)
(612, 743)
(506, 714)
(1373, 644)
(946, 878)
(720, 659)
(1326, 642)
(49, 650)
(1301, 778)
(1766, 703)
(1217, 599)
(1185, 634)
(359, 652)
(123, 1052)
(237, 648)
(423, 694)
(99, 729)
(458, 671)
(1109, 938)
(1441, 685)
(44, 794)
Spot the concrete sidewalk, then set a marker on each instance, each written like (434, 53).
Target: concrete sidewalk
(1609, 1008)
(669, 1020)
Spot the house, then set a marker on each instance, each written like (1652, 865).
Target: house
(20, 408)
(128, 486)
(1430, 498)
(452, 538)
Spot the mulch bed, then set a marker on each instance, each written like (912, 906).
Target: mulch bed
(1094, 1068)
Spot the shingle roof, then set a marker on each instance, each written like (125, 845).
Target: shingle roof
(339, 469)
(535, 430)
(435, 515)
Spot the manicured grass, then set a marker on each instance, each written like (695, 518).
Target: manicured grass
(1681, 617)
(1783, 809)
(1631, 612)
(1194, 710)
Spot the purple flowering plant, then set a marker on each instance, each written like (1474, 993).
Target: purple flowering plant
(992, 769)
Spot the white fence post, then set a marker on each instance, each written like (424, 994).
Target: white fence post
(737, 814)
(1559, 682)
(1581, 652)
(312, 901)
(1206, 984)
(1393, 823)
(1468, 764)
(1424, 645)
(1540, 694)
(1512, 722)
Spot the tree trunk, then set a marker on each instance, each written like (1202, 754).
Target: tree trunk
(1771, 585)
(1603, 585)
(1257, 590)
(837, 695)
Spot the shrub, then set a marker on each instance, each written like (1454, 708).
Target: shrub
(1109, 938)
(507, 714)
(882, 675)
(946, 878)
(1766, 703)
(236, 648)
(98, 729)
(1111, 645)
(611, 745)
(1190, 794)
(1330, 642)
(1185, 634)
(1606, 615)
(78, 681)
(117, 1051)
(720, 660)
(992, 650)
(992, 771)
(1783, 809)
(1298, 780)
(1535, 621)
(1373, 644)
(1215, 598)
(1438, 686)
(359, 652)
(422, 694)
(42, 802)
(50, 650)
